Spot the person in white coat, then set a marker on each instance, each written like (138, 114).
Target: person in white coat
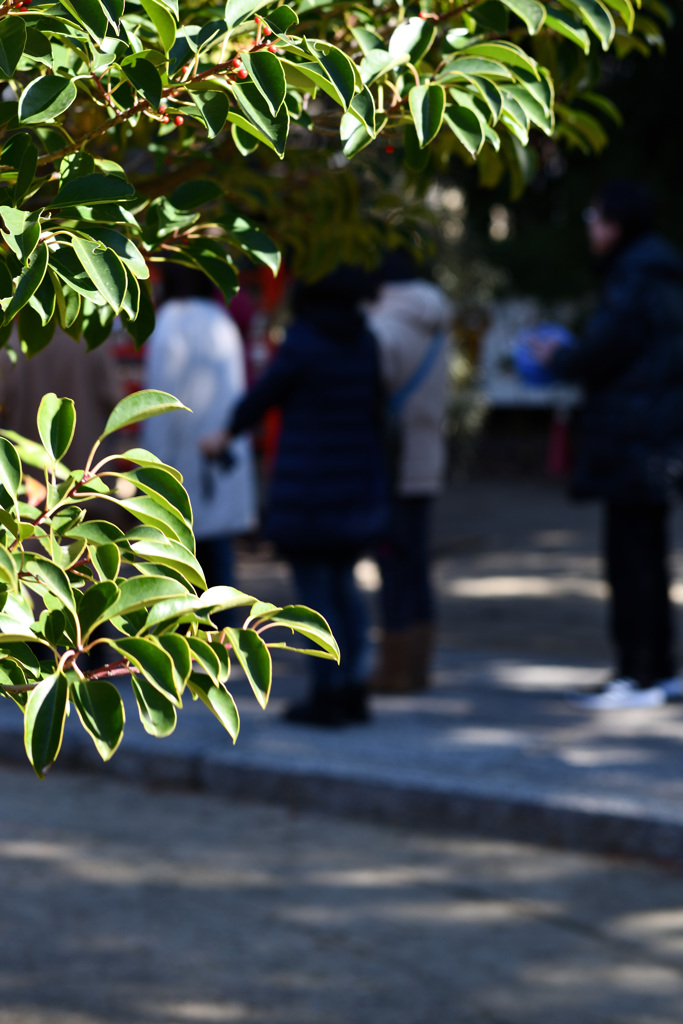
(411, 320)
(196, 353)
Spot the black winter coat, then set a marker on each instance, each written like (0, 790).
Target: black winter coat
(630, 362)
(329, 494)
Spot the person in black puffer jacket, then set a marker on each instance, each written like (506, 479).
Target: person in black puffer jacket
(328, 498)
(629, 361)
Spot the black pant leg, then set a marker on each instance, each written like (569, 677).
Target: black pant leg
(636, 552)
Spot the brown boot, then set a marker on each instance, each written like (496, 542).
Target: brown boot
(421, 644)
(394, 671)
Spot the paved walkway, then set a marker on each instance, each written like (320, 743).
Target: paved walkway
(493, 747)
(125, 905)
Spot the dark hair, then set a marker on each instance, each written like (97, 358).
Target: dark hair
(344, 288)
(631, 204)
(185, 283)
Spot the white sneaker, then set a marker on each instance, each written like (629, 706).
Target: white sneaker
(622, 693)
(672, 687)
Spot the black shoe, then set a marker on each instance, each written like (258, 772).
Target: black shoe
(326, 709)
(356, 703)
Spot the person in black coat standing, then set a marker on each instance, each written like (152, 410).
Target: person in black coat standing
(629, 361)
(328, 498)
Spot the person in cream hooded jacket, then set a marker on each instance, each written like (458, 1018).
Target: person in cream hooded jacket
(411, 320)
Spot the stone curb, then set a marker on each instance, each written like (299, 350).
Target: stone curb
(594, 824)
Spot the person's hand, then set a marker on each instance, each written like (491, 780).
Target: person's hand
(213, 444)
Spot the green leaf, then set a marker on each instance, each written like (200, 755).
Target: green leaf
(44, 719)
(566, 26)
(309, 624)
(467, 67)
(44, 300)
(506, 53)
(254, 657)
(149, 511)
(53, 578)
(354, 135)
(20, 231)
(363, 107)
(218, 701)
(174, 610)
(237, 11)
(157, 714)
(12, 44)
(90, 14)
(214, 108)
(94, 603)
(163, 21)
(104, 269)
(178, 651)
(192, 194)
(532, 108)
(141, 592)
(10, 467)
(126, 250)
(244, 142)
(265, 71)
(56, 424)
(141, 405)
(466, 126)
(45, 98)
(596, 16)
(107, 560)
(338, 69)
(33, 335)
(281, 19)
(273, 128)
(413, 37)
(101, 712)
(221, 599)
(252, 240)
(174, 555)
(205, 655)
(28, 282)
(216, 267)
(93, 189)
(427, 104)
(155, 664)
(8, 570)
(377, 63)
(164, 487)
(625, 10)
(413, 156)
(367, 39)
(144, 77)
(531, 12)
(23, 655)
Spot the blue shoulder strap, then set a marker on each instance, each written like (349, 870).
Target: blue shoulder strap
(400, 397)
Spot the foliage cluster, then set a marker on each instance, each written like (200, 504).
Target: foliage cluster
(64, 576)
(135, 129)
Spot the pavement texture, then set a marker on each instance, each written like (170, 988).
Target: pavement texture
(492, 748)
(125, 903)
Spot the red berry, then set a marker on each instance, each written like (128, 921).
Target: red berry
(243, 73)
(390, 149)
(423, 14)
(162, 108)
(257, 19)
(236, 62)
(178, 120)
(267, 30)
(185, 68)
(165, 119)
(272, 48)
